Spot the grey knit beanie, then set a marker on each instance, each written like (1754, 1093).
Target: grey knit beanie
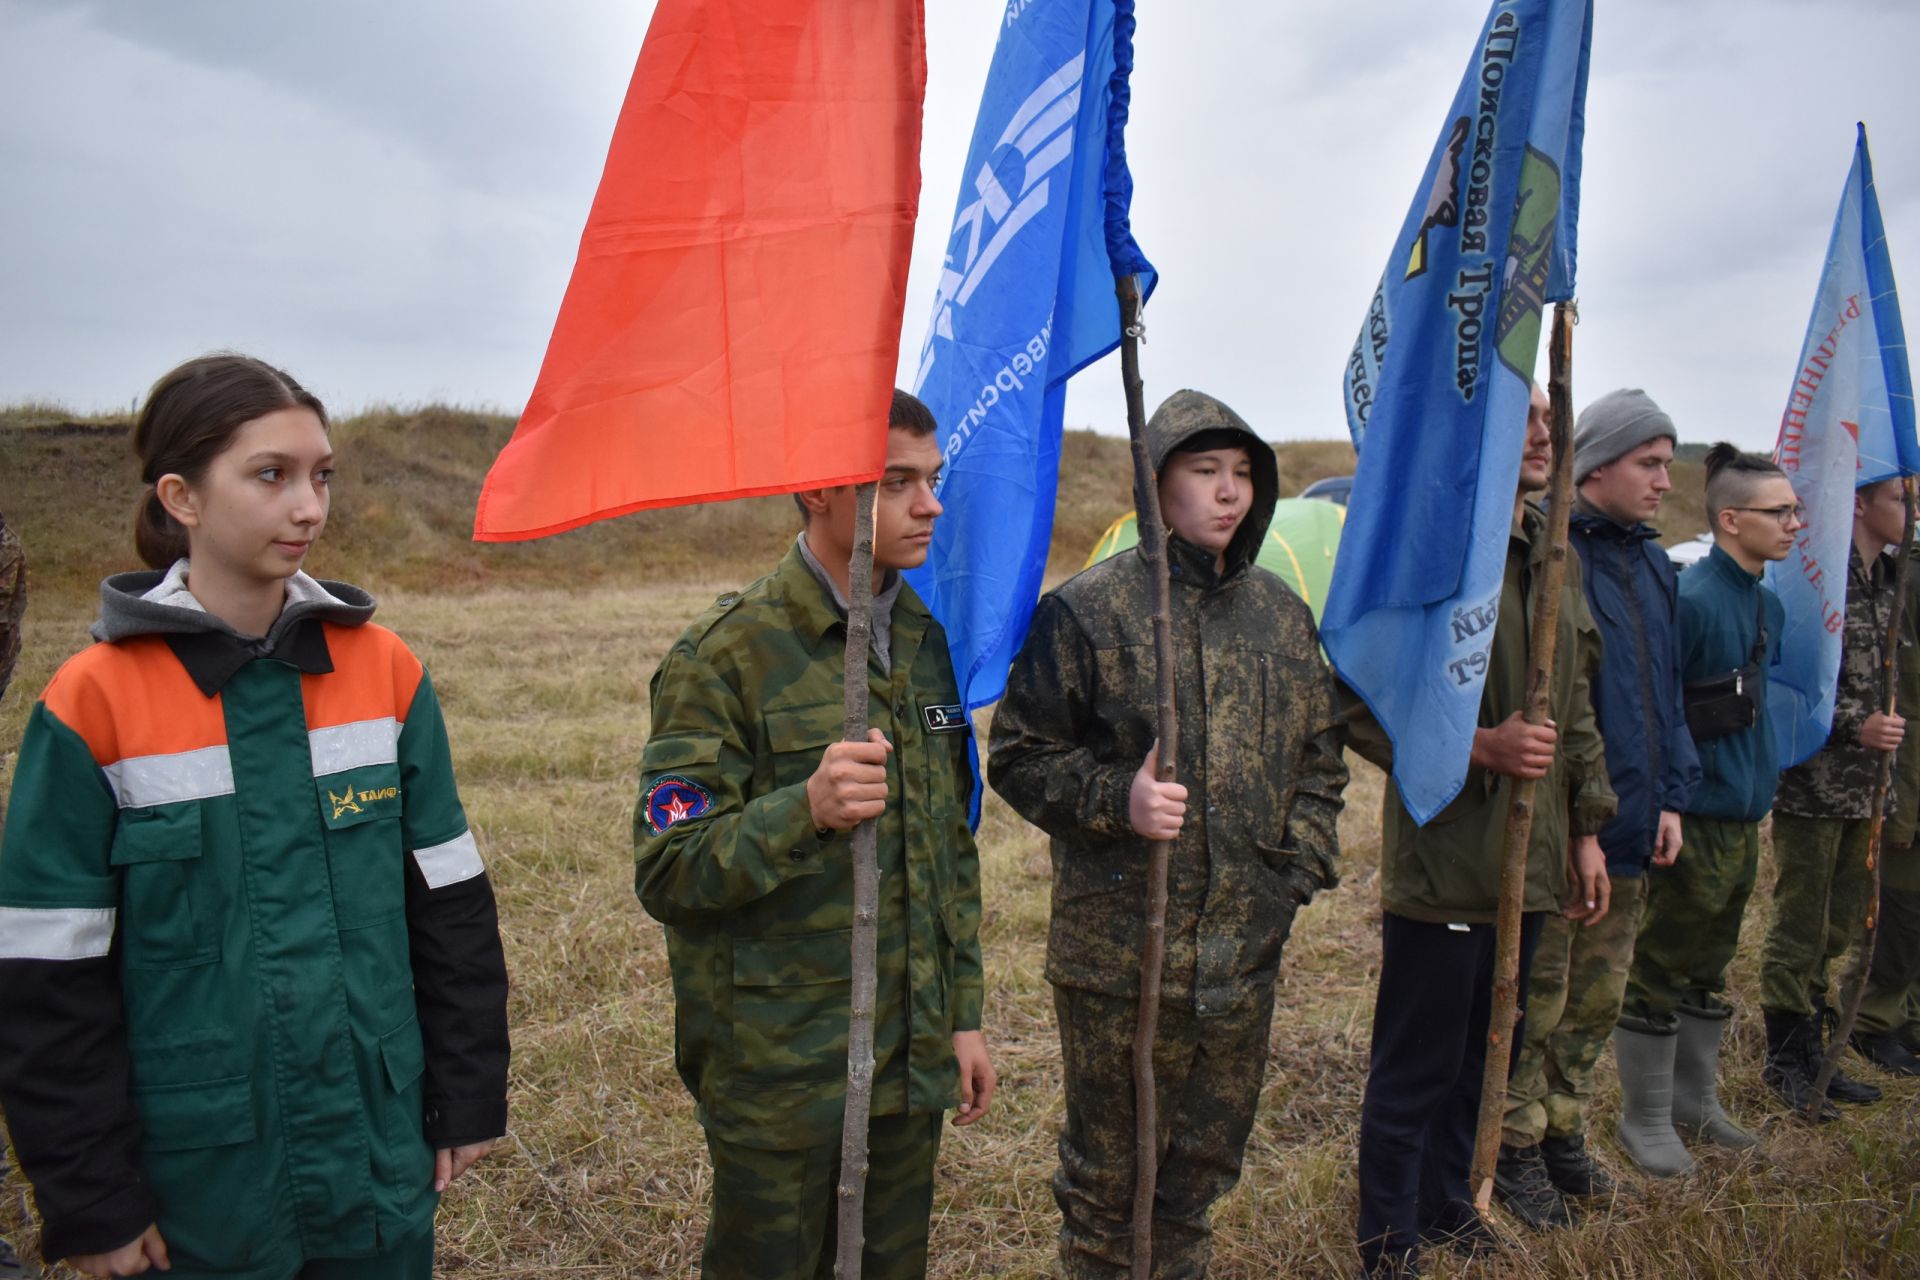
(1616, 424)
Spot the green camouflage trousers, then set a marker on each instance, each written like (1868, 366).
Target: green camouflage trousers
(1895, 977)
(1819, 907)
(1206, 1073)
(773, 1215)
(1573, 1001)
(1691, 925)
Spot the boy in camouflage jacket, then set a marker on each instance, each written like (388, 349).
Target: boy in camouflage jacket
(1822, 819)
(1251, 819)
(741, 848)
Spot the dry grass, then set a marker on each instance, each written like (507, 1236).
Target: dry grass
(605, 1176)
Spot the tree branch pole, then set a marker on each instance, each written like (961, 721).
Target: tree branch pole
(851, 1236)
(1513, 856)
(1153, 949)
(1855, 983)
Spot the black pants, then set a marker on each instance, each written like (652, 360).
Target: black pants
(1423, 1083)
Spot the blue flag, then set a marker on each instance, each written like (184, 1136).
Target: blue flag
(1848, 422)
(1437, 391)
(1025, 300)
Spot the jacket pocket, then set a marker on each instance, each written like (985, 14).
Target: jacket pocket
(791, 999)
(167, 919)
(797, 736)
(366, 858)
(403, 1159)
(200, 1156)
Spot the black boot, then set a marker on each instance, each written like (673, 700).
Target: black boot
(1886, 1053)
(1792, 1043)
(1843, 1087)
(1520, 1180)
(1571, 1168)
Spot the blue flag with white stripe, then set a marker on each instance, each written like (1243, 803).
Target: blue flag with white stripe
(1437, 390)
(1025, 300)
(1849, 421)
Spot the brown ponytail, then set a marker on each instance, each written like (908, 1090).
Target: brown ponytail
(189, 419)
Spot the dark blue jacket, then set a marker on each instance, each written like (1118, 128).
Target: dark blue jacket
(1740, 771)
(1636, 697)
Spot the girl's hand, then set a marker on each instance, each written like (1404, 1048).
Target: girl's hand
(128, 1260)
(450, 1162)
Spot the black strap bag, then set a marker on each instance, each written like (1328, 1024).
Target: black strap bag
(1729, 704)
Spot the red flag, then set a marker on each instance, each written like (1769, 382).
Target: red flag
(732, 326)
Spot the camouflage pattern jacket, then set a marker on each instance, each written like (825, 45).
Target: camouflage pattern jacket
(1259, 755)
(758, 906)
(1449, 870)
(1838, 780)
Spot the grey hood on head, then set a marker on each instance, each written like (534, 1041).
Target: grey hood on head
(1186, 414)
(149, 602)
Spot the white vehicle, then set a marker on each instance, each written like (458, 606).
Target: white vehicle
(1690, 552)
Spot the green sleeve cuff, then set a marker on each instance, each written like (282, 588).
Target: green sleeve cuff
(968, 1000)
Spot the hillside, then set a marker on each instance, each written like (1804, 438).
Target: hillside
(408, 481)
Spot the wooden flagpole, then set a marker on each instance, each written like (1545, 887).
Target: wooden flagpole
(1153, 545)
(1513, 858)
(851, 1237)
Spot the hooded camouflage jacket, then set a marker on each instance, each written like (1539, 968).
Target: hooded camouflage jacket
(1449, 870)
(758, 906)
(1838, 780)
(1258, 753)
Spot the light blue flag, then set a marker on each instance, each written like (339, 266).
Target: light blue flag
(1437, 391)
(1849, 421)
(1026, 299)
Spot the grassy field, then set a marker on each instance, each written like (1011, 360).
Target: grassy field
(542, 655)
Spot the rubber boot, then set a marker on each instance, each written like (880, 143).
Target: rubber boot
(1646, 1102)
(1793, 1047)
(1696, 1089)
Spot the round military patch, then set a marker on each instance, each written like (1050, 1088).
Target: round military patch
(672, 799)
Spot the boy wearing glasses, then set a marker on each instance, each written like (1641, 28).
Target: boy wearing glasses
(1823, 821)
(1674, 1017)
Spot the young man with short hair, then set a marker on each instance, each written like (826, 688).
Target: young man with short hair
(1823, 820)
(741, 850)
(1439, 891)
(1674, 1015)
(1251, 818)
(1623, 446)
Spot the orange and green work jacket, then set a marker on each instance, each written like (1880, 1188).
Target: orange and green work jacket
(250, 970)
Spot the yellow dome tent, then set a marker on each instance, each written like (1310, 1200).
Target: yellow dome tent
(1300, 545)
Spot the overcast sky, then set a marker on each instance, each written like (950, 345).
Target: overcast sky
(387, 197)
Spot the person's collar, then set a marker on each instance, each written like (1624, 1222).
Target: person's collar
(212, 658)
(1188, 563)
(882, 599)
(1592, 520)
(1720, 558)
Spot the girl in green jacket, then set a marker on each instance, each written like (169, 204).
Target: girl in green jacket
(252, 996)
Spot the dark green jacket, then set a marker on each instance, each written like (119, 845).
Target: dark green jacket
(758, 907)
(1449, 870)
(1838, 781)
(1718, 604)
(1258, 754)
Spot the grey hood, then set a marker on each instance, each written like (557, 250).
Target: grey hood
(1186, 414)
(149, 602)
